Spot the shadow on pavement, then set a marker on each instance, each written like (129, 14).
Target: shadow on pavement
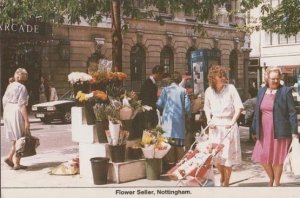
(265, 184)
(40, 166)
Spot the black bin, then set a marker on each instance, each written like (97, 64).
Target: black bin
(100, 169)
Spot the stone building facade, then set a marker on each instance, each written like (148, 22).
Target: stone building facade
(145, 44)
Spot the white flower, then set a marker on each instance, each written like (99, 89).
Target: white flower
(78, 77)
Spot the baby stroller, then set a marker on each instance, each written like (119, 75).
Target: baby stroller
(196, 165)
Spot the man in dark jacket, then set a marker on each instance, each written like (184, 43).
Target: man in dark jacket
(148, 95)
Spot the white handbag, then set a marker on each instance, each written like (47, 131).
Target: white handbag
(292, 161)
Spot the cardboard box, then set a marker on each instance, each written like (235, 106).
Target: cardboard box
(126, 171)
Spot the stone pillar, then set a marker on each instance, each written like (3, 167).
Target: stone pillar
(246, 52)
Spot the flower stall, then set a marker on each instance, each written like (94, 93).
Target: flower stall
(102, 122)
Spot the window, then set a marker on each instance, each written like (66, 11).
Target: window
(139, 4)
(298, 37)
(188, 59)
(268, 38)
(282, 39)
(137, 62)
(167, 59)
(292, 39)
(274, 39)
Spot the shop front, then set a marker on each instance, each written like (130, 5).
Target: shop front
(21, 46)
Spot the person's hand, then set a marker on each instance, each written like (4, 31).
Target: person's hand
(230, 124)
(253, 137)
(27, 128)
(211, 125)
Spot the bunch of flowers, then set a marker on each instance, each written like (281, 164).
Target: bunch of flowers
(113, 111)
(123, 136)
(100, 111)
(154, 144)
(131, 105)
(100, 95)
(83, 97)
(79, 77)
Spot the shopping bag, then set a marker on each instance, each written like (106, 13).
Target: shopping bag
(26, 146)
(292, 161)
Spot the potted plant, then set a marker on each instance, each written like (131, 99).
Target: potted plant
(154, 146)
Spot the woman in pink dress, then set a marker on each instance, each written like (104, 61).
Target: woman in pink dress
(222, 108)
(274, 125)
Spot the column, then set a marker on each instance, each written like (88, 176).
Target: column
(246, 52)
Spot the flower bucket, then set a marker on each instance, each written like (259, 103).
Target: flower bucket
(153, 168)
(114, 130)
(117, 153)
(101, 127)
(89, 113)
(100, 170)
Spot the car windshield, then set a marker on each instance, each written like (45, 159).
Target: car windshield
(68, 95)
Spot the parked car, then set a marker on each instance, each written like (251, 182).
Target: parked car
(60, 109)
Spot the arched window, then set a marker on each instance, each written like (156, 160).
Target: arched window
(188, 59)
(137, 63)
(233, 64)
(167, 59)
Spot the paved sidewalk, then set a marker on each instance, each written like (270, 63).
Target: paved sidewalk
(36, 177)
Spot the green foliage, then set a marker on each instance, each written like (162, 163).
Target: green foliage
(100, 111)
(285, 19)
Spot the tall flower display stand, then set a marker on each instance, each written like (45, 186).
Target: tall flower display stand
(89, 147)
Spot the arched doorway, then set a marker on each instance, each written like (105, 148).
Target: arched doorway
(233, 64)
(167, 59)
(25, 55)
(137, 66)
(188, 59)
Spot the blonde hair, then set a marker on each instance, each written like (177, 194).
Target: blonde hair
(21, 75)
(269, 70)
(214, 71)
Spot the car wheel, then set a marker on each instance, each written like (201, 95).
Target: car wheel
(67, 117)
(46, 120)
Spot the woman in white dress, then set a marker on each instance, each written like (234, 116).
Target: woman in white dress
(222, 108)
(15, 116)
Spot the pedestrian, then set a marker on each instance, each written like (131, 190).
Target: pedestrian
(249, 106)
(148, 95)
(44, 90)
(53, 92)
(222, 106)
(175, 106)
(15, 116)
(274, 125)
